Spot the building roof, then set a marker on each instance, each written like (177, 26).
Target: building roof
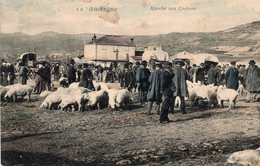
(113, 40)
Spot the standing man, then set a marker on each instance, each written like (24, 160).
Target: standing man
(154, 94)
(253, 79)
(179, 80)
(86, 78)
(11, 74)
(22, 73)
(200, 74)
(142, 76)
(71, 72)
(232, 77)
(166, 90)
(137, 65)
(212, 75)
(127, 78)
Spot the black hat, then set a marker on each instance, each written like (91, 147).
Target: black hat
(44, 63)
(251, 62)
(126, 65)
(137, 63)
(233, 62)
(72, 61)
(130, 63)
(144, 62)
(85, 65)
(179, 62)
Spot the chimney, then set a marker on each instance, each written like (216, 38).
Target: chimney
(132, 40)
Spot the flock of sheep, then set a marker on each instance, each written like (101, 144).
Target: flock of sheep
(215, 95)
(79, 98)
(73, 97)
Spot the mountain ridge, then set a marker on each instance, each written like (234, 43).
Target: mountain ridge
(244, 36)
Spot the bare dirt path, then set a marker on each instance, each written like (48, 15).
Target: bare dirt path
(31, 135)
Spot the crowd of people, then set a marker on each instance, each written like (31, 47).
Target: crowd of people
(159, 84)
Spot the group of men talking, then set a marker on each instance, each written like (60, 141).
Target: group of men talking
(162, 86)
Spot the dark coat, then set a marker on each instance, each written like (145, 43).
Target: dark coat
(232, 78)
(47, 74)
(110, 77)
(200, 74)
(23, 71)
(212, 75)
(86, 79)
(126, 78)
(11, 71)
(166, 83)
(142, 76)
(253, 79)
(155, 85)
(179, 80)
(72, 73)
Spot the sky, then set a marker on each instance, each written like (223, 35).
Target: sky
(125, 17)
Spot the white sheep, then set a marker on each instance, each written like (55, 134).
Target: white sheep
(4, 90)
(76, 96)
(44, 94)
(123, 98)
(224, 94)
(97, 98)
(19, 90)
(112, 94)
(203, 92)
(74, 85)
(104, 86)
(246, 157)
(55, 98)
(212, 95)
(71, 100)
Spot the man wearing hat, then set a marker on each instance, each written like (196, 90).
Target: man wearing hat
(126, 78)
(232, 77)
(166, 90)
(142, 76)
(71, 72)
(253, 79)
(22, 73)
(179, 80)
(86, 78)
(200, 74)
(154, 94)
(137, 65)
(212, 75)
(4, 73)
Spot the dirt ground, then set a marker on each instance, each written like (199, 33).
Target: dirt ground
(34, 136)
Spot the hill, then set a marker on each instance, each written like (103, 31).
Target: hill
(237, 43)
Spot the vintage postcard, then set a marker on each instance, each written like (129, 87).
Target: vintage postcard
(130, 82)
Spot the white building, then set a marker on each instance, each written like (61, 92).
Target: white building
(109, 49)
(156, 53)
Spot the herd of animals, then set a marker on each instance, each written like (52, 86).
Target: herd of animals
(72, 97)
(81, 99)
